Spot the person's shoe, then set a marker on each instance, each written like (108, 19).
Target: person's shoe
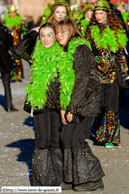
(66, 186)
(12, 109)
(90, 186)
(109, 145)
(115, 144)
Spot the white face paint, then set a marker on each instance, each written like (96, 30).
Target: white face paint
(60, 13)
(62, 36)
(47, 37)
(101, 16)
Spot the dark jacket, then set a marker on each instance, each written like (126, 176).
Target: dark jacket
(25, 46)
(6, 40)
(85, 100)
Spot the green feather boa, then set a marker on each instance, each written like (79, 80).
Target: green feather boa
(12, 22)
(125, 16)
(109, 38)
(85, 23)
(44, 69)
(66, 83)
(75, 42)
(48, 64)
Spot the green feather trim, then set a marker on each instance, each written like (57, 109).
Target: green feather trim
(79, 17)
(68, 77)
(85, 23)
(109, 38)
(12, 22)
(47, 12)
(125, 16)
(75, 42)
(44, 70)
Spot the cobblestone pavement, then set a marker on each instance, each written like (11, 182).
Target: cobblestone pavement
(17, 138)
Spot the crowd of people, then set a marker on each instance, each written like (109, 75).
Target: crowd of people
(78, 62)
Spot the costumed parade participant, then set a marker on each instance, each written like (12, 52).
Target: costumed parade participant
(76, 16)
(87, 11)
(6, 65)
(81, 168)
(49, 76)
(108, 40)
(15, 24)
(56, 12)
(59, 11)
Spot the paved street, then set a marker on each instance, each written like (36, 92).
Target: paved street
(17, 137)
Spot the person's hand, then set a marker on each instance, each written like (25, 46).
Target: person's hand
(62, 112)
(69, 117)
(5, 25)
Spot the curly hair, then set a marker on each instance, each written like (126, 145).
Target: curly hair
(113, 21)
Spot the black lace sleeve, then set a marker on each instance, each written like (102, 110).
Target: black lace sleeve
(86, 83)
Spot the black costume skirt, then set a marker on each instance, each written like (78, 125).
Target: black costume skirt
(80, 165)
(47, 167)
(47, 129)
(47, 155)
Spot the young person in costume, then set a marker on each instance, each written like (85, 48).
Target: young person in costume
(87, 12)
(76, 16)
(58, 10)
(81, 168)
(49, 76)
(108, 40)
(16, 25)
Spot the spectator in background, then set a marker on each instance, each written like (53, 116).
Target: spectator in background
(6, 65)
(15, 24)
